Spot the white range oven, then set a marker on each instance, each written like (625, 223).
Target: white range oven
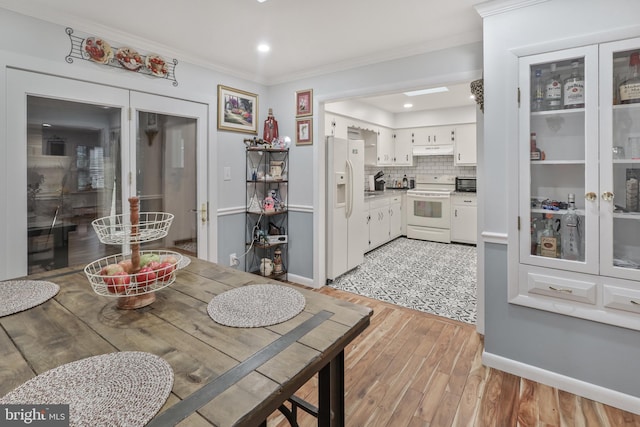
(429, 208)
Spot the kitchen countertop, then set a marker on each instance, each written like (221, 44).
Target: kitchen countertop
(389, 192)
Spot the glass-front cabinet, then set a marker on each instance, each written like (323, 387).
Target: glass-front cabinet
(579, 168)
(620, 158)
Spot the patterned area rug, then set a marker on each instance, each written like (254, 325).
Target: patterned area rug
(436, 278)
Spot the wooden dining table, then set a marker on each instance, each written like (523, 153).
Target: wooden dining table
(223, 376)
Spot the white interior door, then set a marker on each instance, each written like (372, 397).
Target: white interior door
(74, 155)
(169, 153)
(45, 146)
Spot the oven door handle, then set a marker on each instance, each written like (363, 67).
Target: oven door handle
(429, 196)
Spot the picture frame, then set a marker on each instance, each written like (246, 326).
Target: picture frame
(304, 131)
(237, 110)
(304, 103)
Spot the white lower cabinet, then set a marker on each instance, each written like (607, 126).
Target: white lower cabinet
(464, 214)
(598, 298)
(395, 217)
(379, 222)
(384, 218)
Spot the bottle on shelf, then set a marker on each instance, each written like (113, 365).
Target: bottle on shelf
(553, 90)
(570, 232)
(405, 182)
(549, 241)
(573, 88)
(535, 236)
(630, 88)
(536, 153)
(537, 93)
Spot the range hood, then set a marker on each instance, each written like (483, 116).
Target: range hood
(433, 150)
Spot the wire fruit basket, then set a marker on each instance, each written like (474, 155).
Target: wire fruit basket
(118, 230)
(112, 276)
(133, 280)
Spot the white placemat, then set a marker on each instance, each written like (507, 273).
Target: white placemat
(20, 295)
(254, 306)
(116, 389)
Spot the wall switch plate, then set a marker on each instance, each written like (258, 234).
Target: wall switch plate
(227, 173)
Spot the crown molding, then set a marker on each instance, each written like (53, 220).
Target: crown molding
(496, 7)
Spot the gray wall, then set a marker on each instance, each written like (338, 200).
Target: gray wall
(590, 351)
(584, 350)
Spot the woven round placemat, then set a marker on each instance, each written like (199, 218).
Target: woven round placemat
(116, 389)
(254, 306)
(20, 295)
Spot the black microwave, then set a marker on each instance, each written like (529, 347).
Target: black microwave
(466, 184)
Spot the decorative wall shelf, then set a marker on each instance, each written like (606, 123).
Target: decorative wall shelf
(78, 51)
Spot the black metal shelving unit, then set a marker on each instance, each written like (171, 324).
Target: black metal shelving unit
(267, 217)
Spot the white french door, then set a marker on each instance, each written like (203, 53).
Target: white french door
(77, 151)
(174, 178)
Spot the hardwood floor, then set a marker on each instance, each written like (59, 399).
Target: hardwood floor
(412, 369)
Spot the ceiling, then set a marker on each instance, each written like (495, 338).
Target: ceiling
(458, 95)
(307, 37)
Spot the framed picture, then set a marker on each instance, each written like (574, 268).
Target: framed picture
(304, 103)
(237, 110)
(304, 131)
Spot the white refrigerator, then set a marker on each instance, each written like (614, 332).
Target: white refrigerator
(347, 232)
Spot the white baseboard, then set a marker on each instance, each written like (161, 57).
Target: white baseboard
(302, 280)
(590, 391)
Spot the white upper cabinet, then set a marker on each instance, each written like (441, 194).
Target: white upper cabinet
(465, 145)
(434, 135)
(335, 125)
(386, 149)
(403, 142)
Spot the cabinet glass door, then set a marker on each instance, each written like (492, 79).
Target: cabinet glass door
(559, 160)
(620, 158)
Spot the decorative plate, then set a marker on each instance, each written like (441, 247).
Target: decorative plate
(98, 50)
(156, 65)
(129, 58)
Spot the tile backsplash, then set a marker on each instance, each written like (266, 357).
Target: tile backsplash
(422, 165)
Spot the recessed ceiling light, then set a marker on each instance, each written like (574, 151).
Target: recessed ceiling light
(408, 105)
(427, 91)
(261, 1)
(263, 47)
(46, 125)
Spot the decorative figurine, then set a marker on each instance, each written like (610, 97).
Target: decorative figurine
(270, 128)
(269, 204)
(277, 261)
(266, 266)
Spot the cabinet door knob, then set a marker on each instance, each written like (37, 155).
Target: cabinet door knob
(608, 196)
(591, 196)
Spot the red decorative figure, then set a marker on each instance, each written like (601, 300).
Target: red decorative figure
(270, 128)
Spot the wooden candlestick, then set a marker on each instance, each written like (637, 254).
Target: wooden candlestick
(142, 300)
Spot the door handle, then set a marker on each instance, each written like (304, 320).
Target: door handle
(203, 212)
(608, 196)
